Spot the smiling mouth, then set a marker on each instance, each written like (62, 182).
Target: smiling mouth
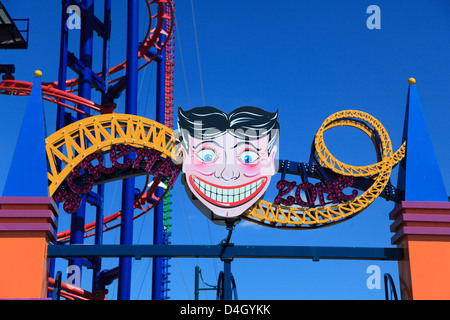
(227, 196)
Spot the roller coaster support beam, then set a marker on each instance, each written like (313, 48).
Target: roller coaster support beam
(106, 277)
(157, 285)
(150, 54)
(215, 251)
(227, 278)
(115, 90)
(77, 65)
(106, 39)
(126, 230)
(86, 51)
(62, 76)
(85, 84)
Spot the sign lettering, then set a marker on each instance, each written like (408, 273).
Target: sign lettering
(334, 190)
(84, 176)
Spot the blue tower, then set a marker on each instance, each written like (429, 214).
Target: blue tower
(30, 145)
(419, 177)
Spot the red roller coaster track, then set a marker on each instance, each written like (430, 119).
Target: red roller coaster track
(50, 93)
(71, 292)
(151, 40)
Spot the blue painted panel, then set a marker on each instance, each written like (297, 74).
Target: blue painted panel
(28, 171)
(419, 177)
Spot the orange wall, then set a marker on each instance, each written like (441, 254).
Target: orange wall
(23, 265)
(430, 269)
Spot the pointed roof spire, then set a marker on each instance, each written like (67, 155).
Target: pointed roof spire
(419, 177)
(27, 174)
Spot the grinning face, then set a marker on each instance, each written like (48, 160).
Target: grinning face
(228, 174)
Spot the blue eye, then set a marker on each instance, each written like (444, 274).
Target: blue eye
(249, 156)
(207, 155)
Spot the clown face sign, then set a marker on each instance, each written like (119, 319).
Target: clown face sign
(228, 159)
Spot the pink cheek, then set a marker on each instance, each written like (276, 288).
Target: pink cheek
(258, 169)
(250, 171)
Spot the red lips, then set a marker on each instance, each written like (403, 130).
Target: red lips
(227, 196)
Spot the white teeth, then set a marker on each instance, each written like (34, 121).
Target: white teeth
(227, 195)
(247, 191)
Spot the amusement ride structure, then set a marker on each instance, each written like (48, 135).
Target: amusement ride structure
(75, 95)
(86, 151)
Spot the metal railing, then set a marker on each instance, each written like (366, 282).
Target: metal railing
(389, 287)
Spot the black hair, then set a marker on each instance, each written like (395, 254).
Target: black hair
(246, 122)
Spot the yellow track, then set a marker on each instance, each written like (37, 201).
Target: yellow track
(279, 216)
(97, 134)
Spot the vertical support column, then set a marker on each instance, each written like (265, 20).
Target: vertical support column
(227, 279)
(99, 215)
(86, 51)
(126, 229)
(84, 90)
(98, 235)
(106, 40)
(62, 75)
(422, 228)
(159, 210)
(27, 226)
(197, 281)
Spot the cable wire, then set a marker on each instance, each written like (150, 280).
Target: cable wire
(198, 52)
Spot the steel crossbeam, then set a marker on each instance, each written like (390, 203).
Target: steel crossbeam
(215, 251)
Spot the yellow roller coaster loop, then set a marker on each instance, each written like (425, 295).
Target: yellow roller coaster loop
(67, 147)
(280, 216)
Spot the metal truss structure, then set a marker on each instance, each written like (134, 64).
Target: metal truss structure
(281, 216)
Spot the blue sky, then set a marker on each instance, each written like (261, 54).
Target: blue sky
(308, 59)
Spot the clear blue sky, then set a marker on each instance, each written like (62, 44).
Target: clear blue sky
(308, 59)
